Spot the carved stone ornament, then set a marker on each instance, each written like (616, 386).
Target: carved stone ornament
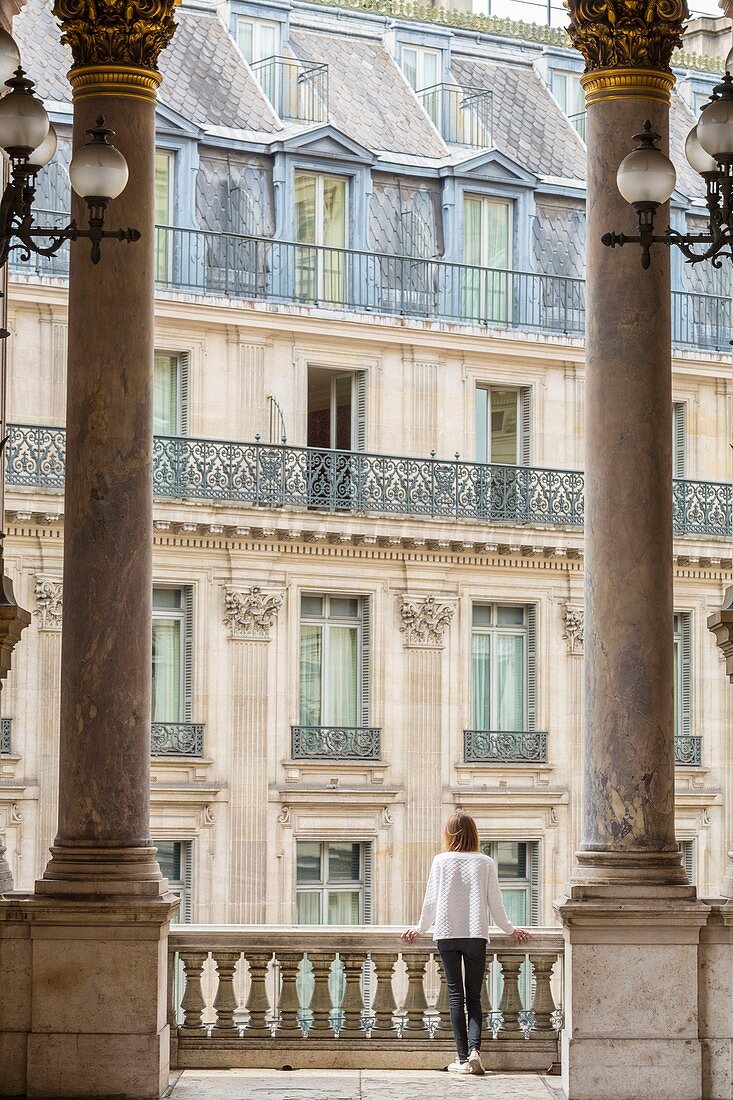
(250, 615)
(424, 622)
(573, 632)
(49, 602)
(116, 32)
(618, 34)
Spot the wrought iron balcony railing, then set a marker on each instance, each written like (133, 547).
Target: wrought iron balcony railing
(177, 739)
(296, 89)
(235, 266)
(462, 116)
(504, 747)
(6, 735)
(335, 743)
(271, 475)
(579, 122)
(688, 750)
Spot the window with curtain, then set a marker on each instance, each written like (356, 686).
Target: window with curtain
(567, 91)
(487, 254)
(421, 67)
(257, 39)
(164, 213)
(518, 866)
(321, 227)
(331, 661)
(169, 640)
(166, 394)
(499, 667)
(175, 858)
(333, 882)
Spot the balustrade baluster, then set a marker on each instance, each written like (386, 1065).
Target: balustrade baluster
(258, 1004)
(225, 1001)
(172, 989)
(193, 1002)
(288, 1023)
(352, 1003)
(543, 1003)
(321, 1000)
(442, 1004)
(384, 1006)
(511, 1001)
(415, 1001)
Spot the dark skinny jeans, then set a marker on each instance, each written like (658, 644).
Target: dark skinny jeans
(457, 955)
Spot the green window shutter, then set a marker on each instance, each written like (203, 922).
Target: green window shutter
(367, 856)
(187, 600)
(360, 401)
(366, 658)
(533, 860)
(686, 672)
(186, 911)
(687, 847)
(679, 449)
(525, 414)
(531, 612)
(184, 360)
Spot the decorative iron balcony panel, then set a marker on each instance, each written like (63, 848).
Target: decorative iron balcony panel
(335, 743)
(462, 116)
(6, 734)
(501, 746)
(296, 89)
(177, 739)
(579, 122)
(232, 265)
(688, 750)
(273, 475)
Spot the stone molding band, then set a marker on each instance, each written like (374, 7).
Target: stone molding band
(604, 84)
(114, 80)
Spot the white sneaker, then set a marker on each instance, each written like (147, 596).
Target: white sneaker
(459, 1067)
(475, 1064)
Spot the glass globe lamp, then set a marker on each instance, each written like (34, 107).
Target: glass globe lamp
(40, 157)
(98, 170)
(23, 120)
(701, 161)
(646, 176)
(715, 125)
(9, 56)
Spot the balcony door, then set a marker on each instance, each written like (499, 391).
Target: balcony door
(164, 215)
(336, 422)
(321, 233)
(487, 236)
(331, 408)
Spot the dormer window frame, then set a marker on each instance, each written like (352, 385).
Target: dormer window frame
(258, 51)
(274, 13)
(436, 41)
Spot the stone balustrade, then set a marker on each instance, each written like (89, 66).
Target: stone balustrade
(351, 998)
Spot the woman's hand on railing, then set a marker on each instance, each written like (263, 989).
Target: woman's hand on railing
(519, 936)
(410, 935)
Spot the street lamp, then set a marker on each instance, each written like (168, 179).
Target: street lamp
(646, 179)
(98, 171)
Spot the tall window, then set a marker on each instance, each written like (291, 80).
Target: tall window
(164, 213)
(334, 661)
(487, 250)
(257, 39)
(170, 391)
(502, 667)
(172, 638)
(682, 674)
(568, 92)
(421, 67)
(333, 882)
(503, 425)
(517, 862)
(175, 858)
(321, 221)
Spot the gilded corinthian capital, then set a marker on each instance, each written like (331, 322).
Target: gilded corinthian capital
(116, 32)
(627, 34)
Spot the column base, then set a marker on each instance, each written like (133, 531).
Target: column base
(86, 871)
(86, 1010)
(631, 1008)
(630, 869)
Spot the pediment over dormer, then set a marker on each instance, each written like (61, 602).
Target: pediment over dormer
(491, 165)
(327, 143)
(174, 124)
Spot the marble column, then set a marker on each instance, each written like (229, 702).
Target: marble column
(632, 925)
(96, 973)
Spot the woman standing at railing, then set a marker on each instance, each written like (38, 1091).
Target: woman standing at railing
(462, 895)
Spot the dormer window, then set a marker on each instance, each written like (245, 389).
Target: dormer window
(422, 67)
(257, 38)
(567, 90)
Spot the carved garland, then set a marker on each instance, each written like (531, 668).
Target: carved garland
(618, 34)
(116, 32)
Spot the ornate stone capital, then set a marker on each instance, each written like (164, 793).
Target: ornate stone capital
(49, 601)
(425, 621)
(250, 615)
(573, 632)
(627, 35)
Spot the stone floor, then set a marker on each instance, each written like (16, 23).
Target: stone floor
(270, 1084)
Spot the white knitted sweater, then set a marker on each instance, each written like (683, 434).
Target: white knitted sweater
(462, 894)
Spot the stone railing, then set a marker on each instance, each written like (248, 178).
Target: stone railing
(303, 996)
(487, 746)
(335, 742)
(6, 735)
(688, 750)
(177, 739)
(267, 475)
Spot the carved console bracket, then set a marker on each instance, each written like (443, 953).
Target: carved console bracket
(250, 614)
(721, 624)
(424, 621)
